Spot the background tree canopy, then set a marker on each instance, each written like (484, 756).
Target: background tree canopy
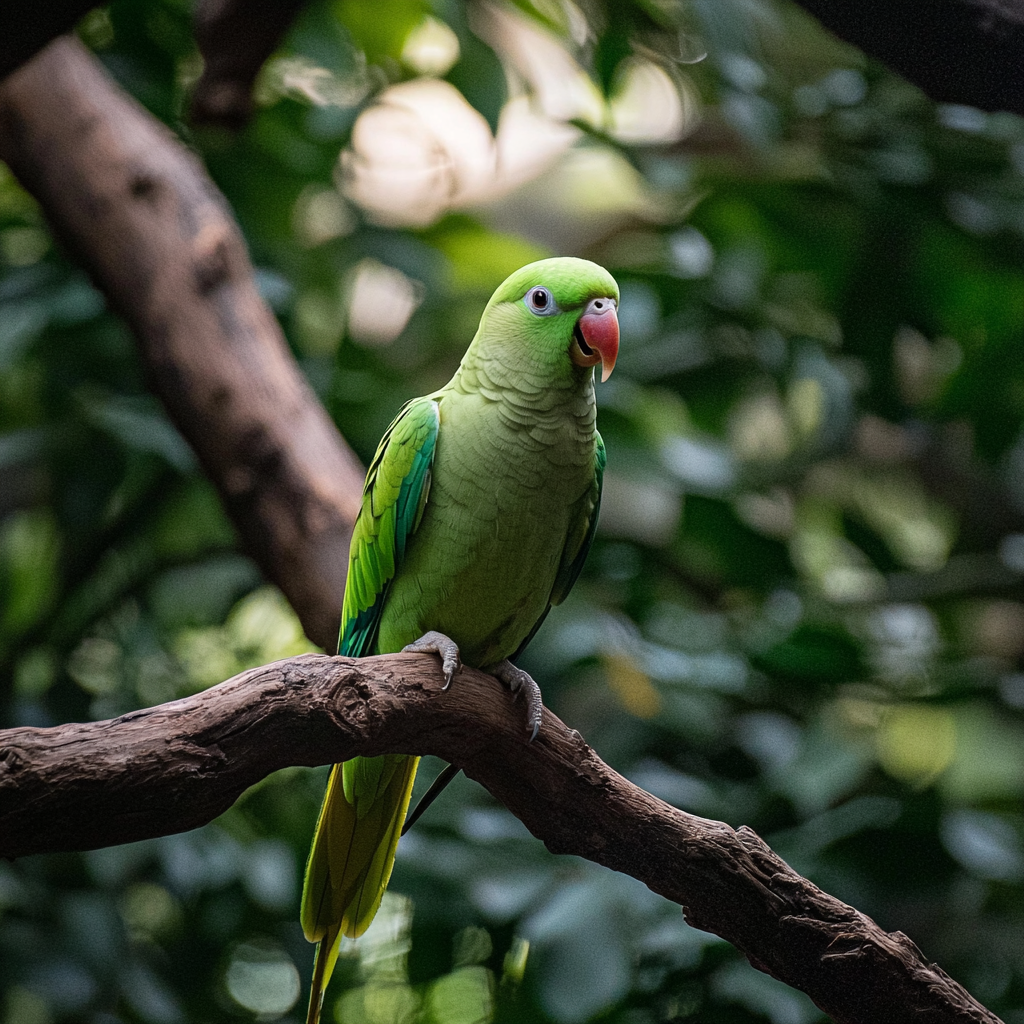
(804, 610)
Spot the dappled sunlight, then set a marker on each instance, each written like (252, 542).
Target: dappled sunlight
(418, 151)
(300, 77)
(803, 611)
(759, 430)
(261, 628)
(649, 106)
(320, 215)
(830, 561)
(581, 198)
(262, 979)
(644, 510)
(380, 302)
(919, 531)
(431, 48)
(916, 743)
(542, 64)
(421, 149)
(463, 996)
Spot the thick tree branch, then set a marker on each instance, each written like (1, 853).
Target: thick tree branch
(173, 767)
(140, 212)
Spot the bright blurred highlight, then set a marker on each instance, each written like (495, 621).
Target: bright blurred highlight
(262, 979)
(916, 743)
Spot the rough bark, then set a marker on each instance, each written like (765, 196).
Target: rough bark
(143, 217)
(176, 766)
(235, 37)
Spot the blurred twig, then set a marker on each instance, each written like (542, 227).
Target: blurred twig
(143, 217)
(177, 766)
(235, 38)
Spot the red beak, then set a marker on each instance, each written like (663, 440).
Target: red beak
(596, 338)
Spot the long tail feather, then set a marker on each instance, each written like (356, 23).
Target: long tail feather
(352, 856)
(323, 967)
(394, 804)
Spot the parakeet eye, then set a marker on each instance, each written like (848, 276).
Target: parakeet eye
(540, 301)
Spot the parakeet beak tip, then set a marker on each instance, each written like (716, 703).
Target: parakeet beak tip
(596, 338)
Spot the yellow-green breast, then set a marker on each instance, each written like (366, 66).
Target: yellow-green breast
(512, 478)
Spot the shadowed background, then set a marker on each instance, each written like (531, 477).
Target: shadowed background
(804, 610)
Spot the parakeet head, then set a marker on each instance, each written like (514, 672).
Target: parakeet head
(556, 318)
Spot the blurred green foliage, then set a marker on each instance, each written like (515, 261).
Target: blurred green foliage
(804, 610)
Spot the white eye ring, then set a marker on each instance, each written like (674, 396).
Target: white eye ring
(540, 301)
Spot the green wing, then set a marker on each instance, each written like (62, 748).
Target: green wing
(394, 495)
(366, 801)
(577, 543)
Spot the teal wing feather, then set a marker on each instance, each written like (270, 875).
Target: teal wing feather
(357, 832)
(577, 543)
(396, 491)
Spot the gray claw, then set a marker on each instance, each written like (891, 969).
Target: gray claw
(520, 682)
(433, 642)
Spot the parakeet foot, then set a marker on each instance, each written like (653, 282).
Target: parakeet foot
(520, 682)
(433, 642)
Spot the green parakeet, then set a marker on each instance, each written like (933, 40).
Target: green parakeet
(477, 514)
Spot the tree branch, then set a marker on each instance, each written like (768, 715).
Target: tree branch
(158, 238)
(956, 51)
(176, 766)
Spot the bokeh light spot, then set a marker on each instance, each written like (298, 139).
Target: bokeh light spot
(916, 743)
(262, 978)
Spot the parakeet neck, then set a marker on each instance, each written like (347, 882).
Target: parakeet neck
(502, 374)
